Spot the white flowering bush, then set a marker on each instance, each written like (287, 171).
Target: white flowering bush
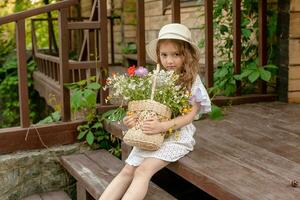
(136, 84)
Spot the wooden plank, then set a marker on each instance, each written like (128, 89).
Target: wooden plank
(87, 172)
(295, 5)
(37, 11)
(102, 167)
(294, 25)
(64, 64)
(141, 51)
(113, 165)
(294, 72)
(294, 85)
(262, 47)
(57, 195)
(22, 74)
(175, 7)
(83, 25)
(252, 154)
(294, 49)
(294, 97)
(237, 41)
(51, 134)
(209, 49)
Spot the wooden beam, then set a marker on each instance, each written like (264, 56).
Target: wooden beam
(13, 139)
(36, 11)
(237, 42)
(140, 7)
(176, 11)
(209, 44)
(83, 25)
(63, 62)
(103, 44)
(22, 73)
(262, 47)
(252, 98)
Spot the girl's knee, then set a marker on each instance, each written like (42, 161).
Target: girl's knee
(143, 171)
(127, 171)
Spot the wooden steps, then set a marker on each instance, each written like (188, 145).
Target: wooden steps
(94, 171)
(55, 195)
(253, 153)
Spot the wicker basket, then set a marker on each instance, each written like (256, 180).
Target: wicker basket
(145, 110)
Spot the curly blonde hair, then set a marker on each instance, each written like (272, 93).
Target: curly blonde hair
(190, 68)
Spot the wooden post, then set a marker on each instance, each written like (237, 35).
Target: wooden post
(262, 47)
(141, 55)
(103, 49)
(209, 43)
(22, 73)
(237, 42)
(64, 63)
(176, 11)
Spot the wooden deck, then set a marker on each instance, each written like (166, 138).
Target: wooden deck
(253, 153)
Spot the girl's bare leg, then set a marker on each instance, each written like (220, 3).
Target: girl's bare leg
(119, 185)
(142, 175)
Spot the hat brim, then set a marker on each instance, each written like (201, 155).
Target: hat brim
(151, 48)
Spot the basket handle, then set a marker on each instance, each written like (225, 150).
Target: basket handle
(154, 81)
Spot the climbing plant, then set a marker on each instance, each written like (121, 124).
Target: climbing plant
(251, 71)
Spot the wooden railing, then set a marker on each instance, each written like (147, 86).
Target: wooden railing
(60, 70)
(209, 47)
(19, 19)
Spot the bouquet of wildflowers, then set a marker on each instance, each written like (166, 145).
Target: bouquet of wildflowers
(137, 83)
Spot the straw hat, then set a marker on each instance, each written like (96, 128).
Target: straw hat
(172, 31)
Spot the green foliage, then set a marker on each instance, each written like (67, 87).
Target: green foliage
(251, 71)
(84, 96)
(129, 48)
(9, 103)
(53, 117)
(83, 100)
(216, 113)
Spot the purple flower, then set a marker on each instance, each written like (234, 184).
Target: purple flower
(141, 71)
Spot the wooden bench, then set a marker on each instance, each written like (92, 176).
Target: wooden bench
(55, 195)
(94, 170)
(252, 154)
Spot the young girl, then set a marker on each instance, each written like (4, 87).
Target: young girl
(174, 50)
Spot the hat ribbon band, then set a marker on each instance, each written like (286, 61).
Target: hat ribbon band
(175, 34)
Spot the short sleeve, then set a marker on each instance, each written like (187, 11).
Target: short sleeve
(200, 95)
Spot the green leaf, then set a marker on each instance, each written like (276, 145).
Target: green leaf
(90, 138)
(90, 97)
(270, 66)
(97, 125)
(253, 76)
(94, 86)
(81, 134)
(264, 74)
(56, 116)
(216, 113)
(246, 33)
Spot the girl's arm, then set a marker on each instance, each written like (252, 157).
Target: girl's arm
(153, 126)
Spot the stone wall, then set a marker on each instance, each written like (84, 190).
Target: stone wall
(29, 172)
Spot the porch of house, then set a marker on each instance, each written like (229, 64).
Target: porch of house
(253, 153)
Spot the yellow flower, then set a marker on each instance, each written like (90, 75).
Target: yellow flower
(129, 113)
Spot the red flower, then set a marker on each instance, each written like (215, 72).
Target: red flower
(131, 70)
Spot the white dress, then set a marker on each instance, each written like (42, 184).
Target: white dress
(174, 147)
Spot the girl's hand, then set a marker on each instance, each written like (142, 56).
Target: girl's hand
(152, 126)
(130, 120)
